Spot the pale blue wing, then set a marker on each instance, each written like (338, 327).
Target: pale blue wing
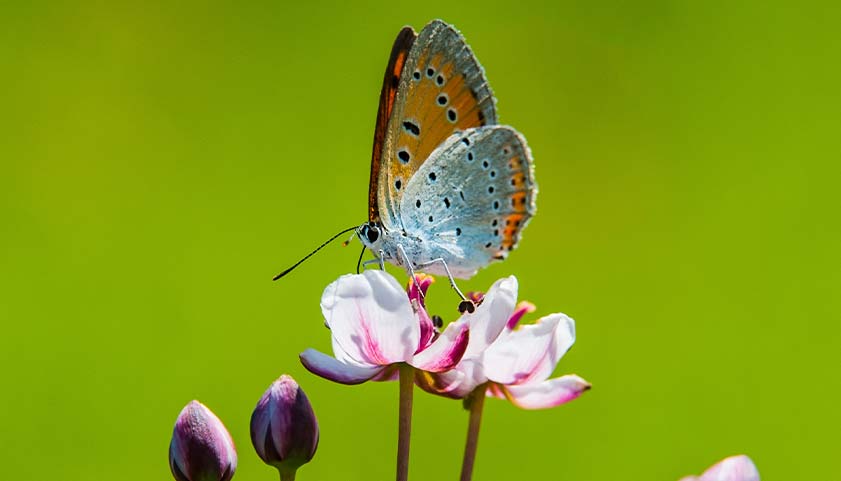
(471, 199)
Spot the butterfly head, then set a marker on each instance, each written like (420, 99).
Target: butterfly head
(370, 233)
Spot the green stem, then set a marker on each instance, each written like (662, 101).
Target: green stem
(407, 375)
(477, 402)
(287, 475)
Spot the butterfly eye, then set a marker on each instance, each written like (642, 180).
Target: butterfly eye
(372, 233)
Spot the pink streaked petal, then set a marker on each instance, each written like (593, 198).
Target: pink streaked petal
(370, 319)
(453, 384)
(734, 468)
(547, 394)
(523, 308)
(424, 281)
(491, 315)
(514, 358)
(331, 369)
(439, 383)
(530, 353)
(446, 351)
(427, 327)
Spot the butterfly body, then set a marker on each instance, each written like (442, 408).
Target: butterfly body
(450, 189)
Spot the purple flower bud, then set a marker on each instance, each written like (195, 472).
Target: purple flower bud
(284, 430)
(201, 448)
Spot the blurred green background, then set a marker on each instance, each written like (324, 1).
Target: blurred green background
(160, 162)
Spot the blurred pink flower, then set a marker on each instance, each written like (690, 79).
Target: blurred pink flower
(734, 468)
(514, 362)
(375, 326)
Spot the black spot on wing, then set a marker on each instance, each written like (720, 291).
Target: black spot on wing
(411, 127)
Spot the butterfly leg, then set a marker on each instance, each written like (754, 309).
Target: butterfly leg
(367, 263)
(409, 268)
(380, 261)
(466, 305)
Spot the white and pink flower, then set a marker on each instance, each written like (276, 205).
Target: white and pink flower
(375, 326)
(516, 362)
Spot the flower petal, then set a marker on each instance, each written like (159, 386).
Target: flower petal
(424, 281)
(491, 315)
(734, 468)
(530, 353)
(523, 308)
(332, 369)
(442, 383)
(445, 351)
(427, 327)
(390, 373)
(457, 383)
(370, 318)
(546, 394)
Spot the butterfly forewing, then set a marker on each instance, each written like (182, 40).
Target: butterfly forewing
(442, 90)
(391, 81)
(473, 196)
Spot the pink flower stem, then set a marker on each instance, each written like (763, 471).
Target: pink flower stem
(477, 402)
(407, 385)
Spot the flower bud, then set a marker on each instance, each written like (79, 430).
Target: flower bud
(284, 430)
(201, 448)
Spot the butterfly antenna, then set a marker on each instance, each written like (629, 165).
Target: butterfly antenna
(287, 271)
(345, 243)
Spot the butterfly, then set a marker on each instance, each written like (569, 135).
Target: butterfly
(450, 190)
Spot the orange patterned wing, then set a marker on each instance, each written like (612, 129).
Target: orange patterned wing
(391, 81)
(442, 90)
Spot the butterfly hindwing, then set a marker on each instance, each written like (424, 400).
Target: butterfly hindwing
(472, 197)
(442, 90)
